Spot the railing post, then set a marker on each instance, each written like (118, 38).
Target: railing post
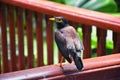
(39, 37)
(11, 24)
(29, 38)
(116, 42)
(86, 29)
(49, 39)
(101, 42)
(20, 26)
(5, 61)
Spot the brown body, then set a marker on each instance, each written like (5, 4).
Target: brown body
(68, 42)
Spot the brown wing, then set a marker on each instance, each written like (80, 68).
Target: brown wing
(61, 43)
(72, 39)
(74, 46)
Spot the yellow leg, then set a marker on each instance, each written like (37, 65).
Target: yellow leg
(61, 61)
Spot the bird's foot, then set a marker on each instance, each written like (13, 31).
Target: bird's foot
(60, 64)
(72, 62)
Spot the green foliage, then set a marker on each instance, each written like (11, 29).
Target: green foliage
(115, 14)
(101, 5)
(108, 6)
(77, 3)
(59, 1)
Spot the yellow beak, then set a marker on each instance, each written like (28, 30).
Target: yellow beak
(52, 19)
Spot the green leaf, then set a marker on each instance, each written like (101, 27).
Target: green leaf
(77, 3)
(108, 6)
(115, 14)
(101, 5)
(59, 1)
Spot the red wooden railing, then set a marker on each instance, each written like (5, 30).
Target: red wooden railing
(17, 16)
(100, 68)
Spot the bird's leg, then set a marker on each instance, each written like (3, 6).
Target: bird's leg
(61, 64)
(61, 61)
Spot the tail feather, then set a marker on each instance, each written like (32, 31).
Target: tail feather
(78, 62)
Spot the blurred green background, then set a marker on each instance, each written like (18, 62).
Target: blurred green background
(107, 6)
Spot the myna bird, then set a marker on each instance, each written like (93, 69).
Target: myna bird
(68, 42)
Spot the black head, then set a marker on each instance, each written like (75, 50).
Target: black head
(60, 21)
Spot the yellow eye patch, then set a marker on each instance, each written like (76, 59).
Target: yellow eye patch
(59, 20)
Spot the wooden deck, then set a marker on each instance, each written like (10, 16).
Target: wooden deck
(20, 17)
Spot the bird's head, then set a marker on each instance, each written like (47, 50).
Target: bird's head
(60, 21)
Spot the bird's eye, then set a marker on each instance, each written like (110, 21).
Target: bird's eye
(59, 20)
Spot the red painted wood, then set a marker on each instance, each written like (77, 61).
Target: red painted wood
(106, 67)
(116, 42)
(49, 39)
(29, 38)
(11, 25)
(39, 37)
(20, 27)
(74, 24)
(77, 14)
(4, 55)
(101, 42)
(105, 73)
(86, 29)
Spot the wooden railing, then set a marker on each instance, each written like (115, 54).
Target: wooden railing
(100, 68)
(20, 17)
